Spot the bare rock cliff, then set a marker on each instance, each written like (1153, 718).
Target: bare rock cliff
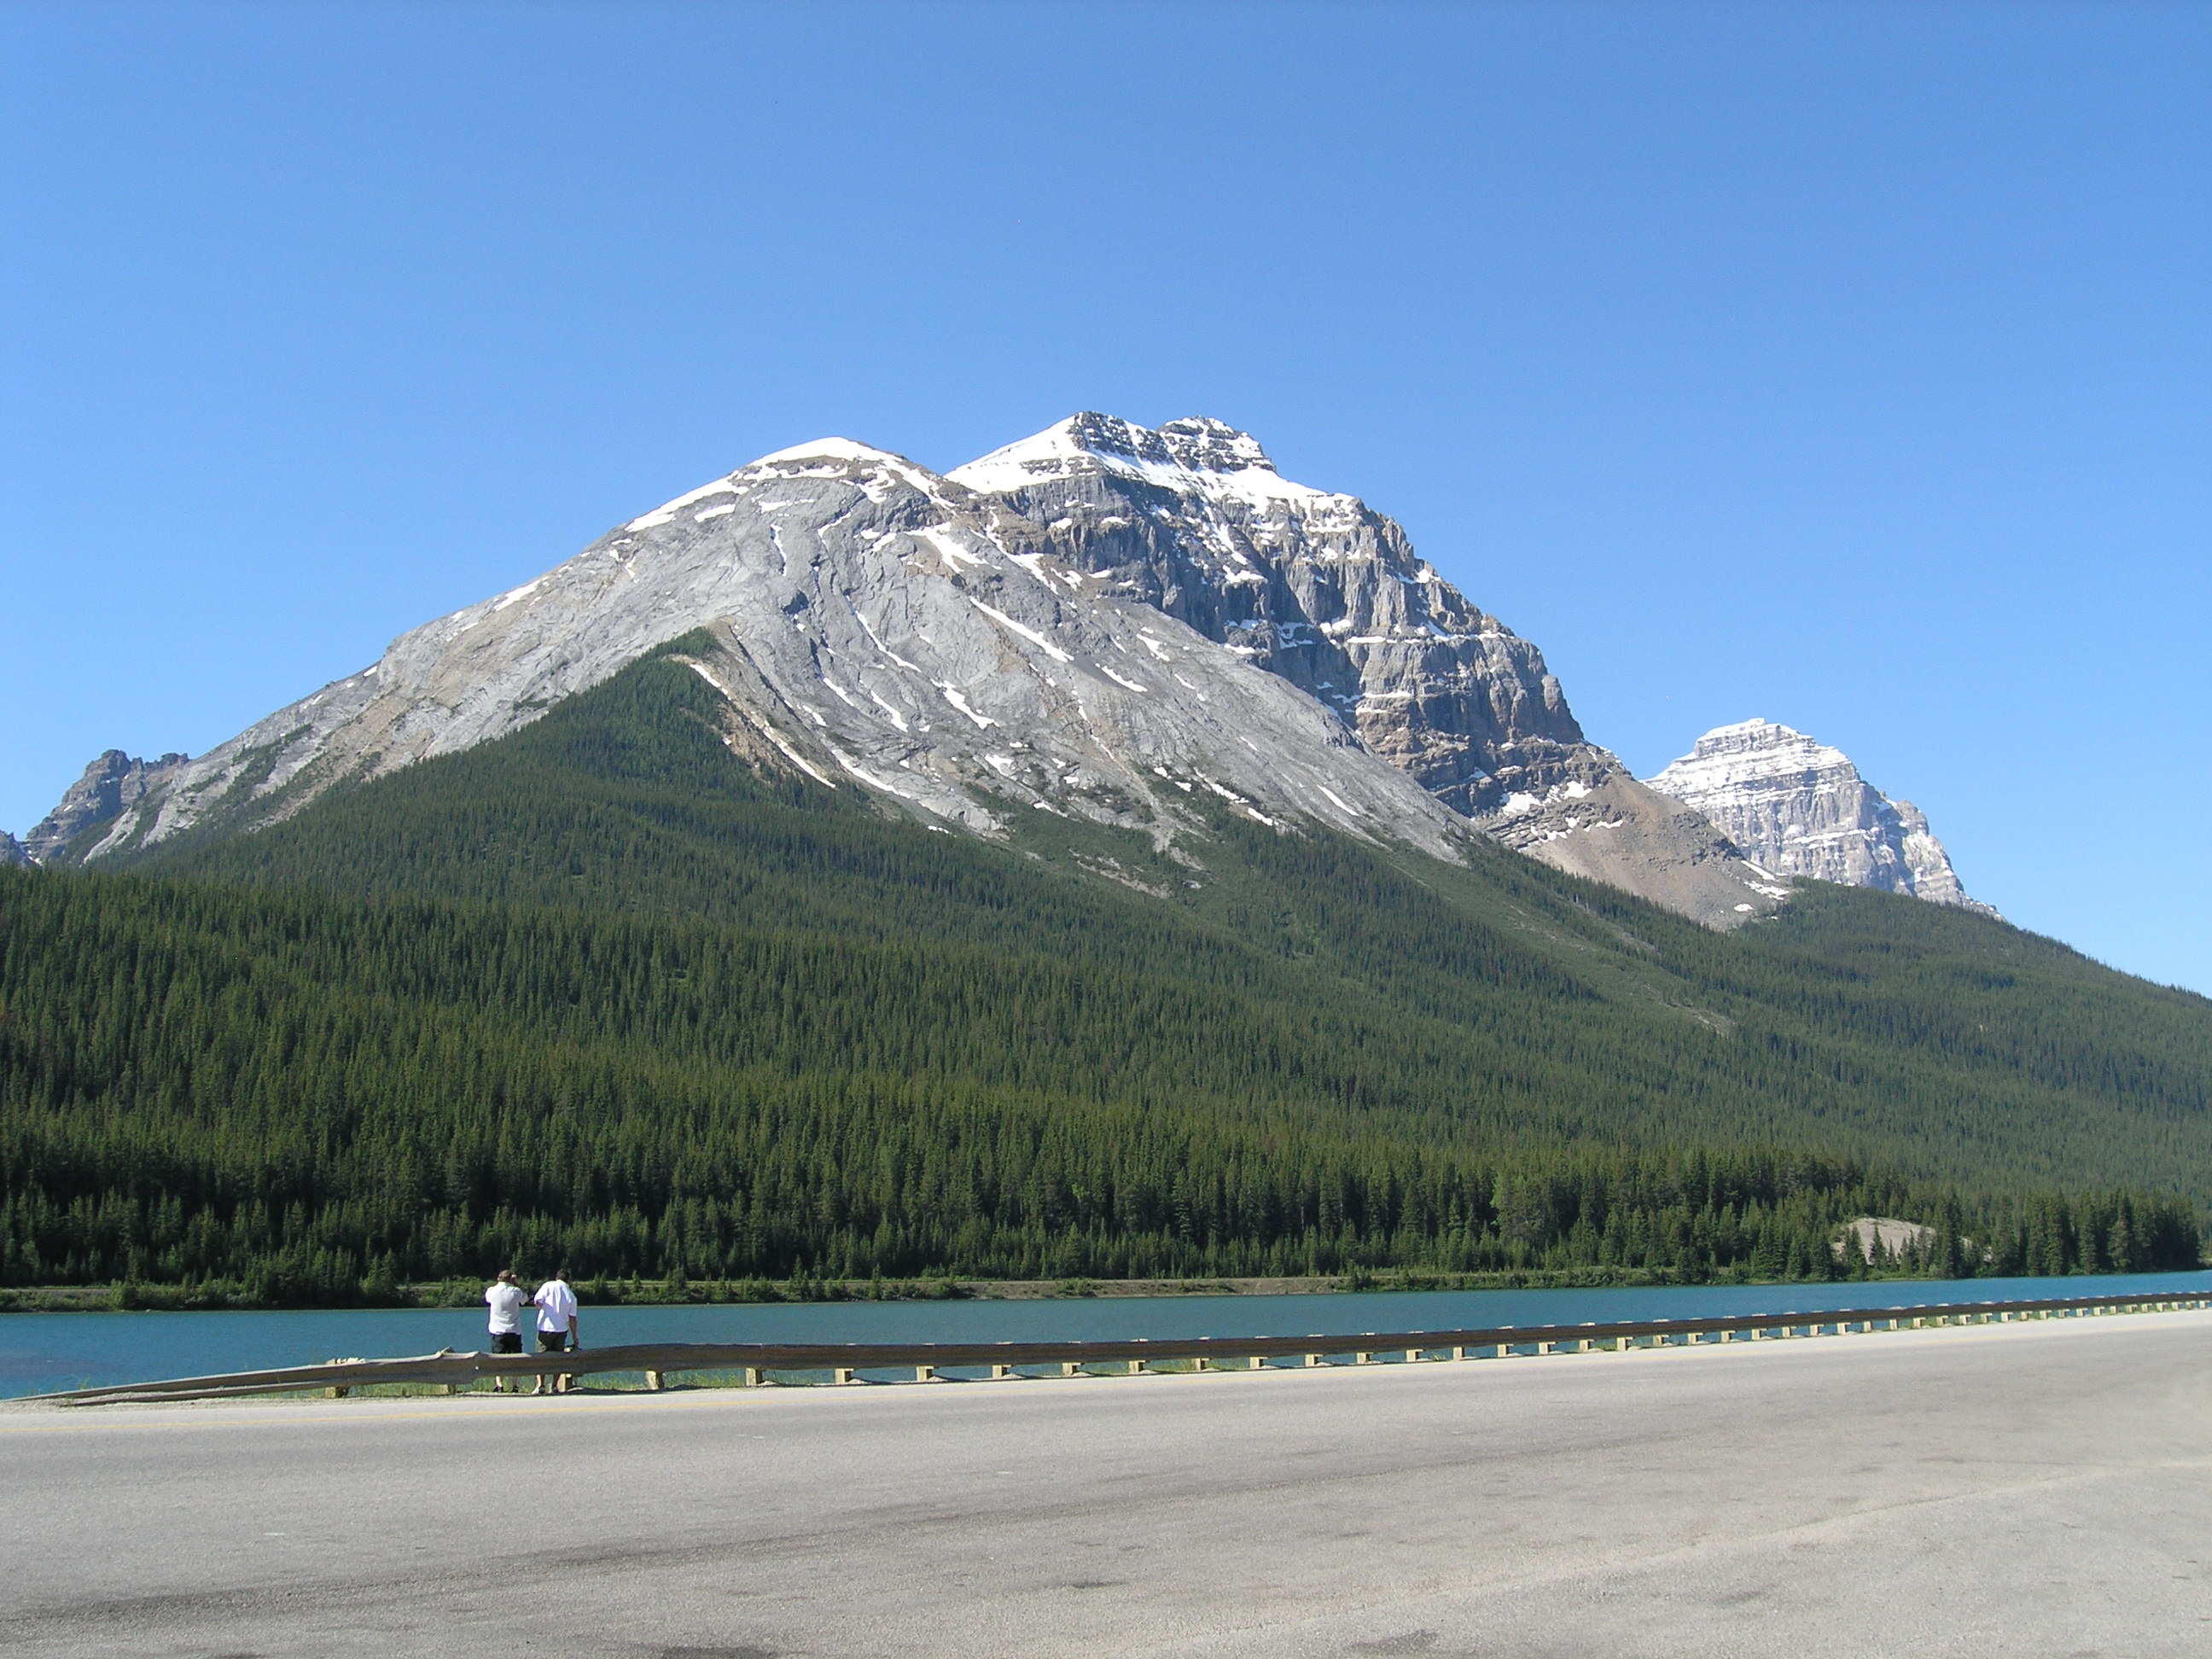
(1797, 807)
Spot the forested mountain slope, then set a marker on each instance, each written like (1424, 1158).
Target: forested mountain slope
(621, 986)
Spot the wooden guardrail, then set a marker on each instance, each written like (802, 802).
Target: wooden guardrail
(845, 1362)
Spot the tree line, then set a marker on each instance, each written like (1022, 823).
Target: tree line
(310, 1099)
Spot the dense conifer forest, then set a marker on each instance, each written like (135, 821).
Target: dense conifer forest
(608, 993)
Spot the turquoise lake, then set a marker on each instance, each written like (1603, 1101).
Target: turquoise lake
(40, 1352)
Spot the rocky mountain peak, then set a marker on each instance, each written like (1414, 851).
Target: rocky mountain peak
(1319, 589)
(1196, 456)
(1798, 807)
(111, 785)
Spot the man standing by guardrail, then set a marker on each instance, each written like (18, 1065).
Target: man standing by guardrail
(556, 1321)
(506, 1301)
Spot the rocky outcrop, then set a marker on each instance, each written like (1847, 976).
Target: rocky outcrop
(11, 851)
(1797, 807)
(112, 785)
(1194, 519)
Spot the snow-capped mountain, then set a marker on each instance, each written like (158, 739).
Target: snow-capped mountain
(1797, 807)
(1102, 622)
(1193, 521)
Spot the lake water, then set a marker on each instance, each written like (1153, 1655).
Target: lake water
(42, 1352)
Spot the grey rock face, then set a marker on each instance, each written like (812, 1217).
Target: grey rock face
(11, 851)
(1103, 623)
(1798, 807)
(1194, 519)
(112, 785)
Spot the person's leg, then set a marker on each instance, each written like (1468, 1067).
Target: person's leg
(550, 1342)
(505, 1342)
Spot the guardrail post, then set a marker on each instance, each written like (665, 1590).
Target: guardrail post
(1312, 1359)
(840, 1375)
(653, 1381)
(925, 1373)
(1071, 1367)
(754, 1376)
(1000, 1373)
(1137, 1367)
(1413, 1355)
(1259, 1362)
(1362, 1358)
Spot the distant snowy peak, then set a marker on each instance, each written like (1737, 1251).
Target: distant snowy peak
(1798, 807)
(1195, 456)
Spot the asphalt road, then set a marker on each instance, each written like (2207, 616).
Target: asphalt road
(2020, 1490)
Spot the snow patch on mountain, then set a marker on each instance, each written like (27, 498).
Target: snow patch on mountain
(1190, 456)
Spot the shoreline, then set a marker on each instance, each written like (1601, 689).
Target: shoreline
(434, 1295)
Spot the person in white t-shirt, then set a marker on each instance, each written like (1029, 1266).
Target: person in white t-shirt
(556, 1319)
(507, 1300)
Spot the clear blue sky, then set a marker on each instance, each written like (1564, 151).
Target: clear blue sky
(1846, 365)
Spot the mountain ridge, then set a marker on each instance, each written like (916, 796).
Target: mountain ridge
(1206, 627)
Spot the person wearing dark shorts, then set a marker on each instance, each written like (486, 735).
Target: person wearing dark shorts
(556, 1321)
(507, 1300)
